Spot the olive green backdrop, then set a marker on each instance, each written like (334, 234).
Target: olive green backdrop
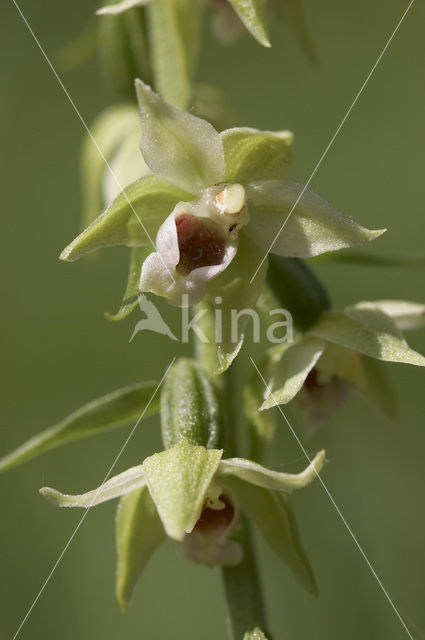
(58, 351)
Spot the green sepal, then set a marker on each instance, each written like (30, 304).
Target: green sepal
(138, 533)
(116, 409)
(178, 481)
(253, 15)
(237, 294)
(297, 289)
(189, 406)
(131, 295)
(251, 154)
(292, 369)
(174, 29)
(299, 226)
(133, 219)
(115, 487)
(181, 148)
(273, 516)
(255, 474)
(367, 329)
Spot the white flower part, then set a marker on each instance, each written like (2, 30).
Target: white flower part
(120, 7)
(163, 273)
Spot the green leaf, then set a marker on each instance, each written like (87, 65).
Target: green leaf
(274, 480)
(253, 155)
(368, 330)
(178, 481)
(253, 15)
(313, 227)
(139, 532)
(255, 634)
(131, 294)
(175, 29)
(238, 297)
(108, 130)
(292, 370)
(133, 219)
(189, 406)
(116, 409)
(273, 516)
(379, 386)
(406, 315)
(297, 289)
(118, 486)
(177, 146)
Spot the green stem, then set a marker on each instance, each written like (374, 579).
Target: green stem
(243, 590)
(241, 582)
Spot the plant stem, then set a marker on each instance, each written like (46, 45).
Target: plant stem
(243, 590)
(241, 582)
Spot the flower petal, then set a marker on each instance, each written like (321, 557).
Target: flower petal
(253, 15)
(119, 485)
(313, 227)
(273, 480)
(292, 370)
(406, 315)
(185, 150)
(253, 155)
(120, 7)
(138, 532)
(178, 480)
(271, 513)
(368, 330)
(133, 219)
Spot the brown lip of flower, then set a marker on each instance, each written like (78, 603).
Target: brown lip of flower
(201, 243)
(215, 521)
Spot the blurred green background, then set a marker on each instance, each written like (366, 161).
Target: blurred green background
(59, 352)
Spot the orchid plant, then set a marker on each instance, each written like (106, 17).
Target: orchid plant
(213, 223)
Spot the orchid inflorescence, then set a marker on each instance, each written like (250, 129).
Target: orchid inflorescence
(211, 220)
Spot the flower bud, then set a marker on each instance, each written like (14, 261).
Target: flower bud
(189, 406)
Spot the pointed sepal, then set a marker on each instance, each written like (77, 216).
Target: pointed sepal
(115, 487)
(177, 146)
(274, 480)
(138, 533)
(178, 481)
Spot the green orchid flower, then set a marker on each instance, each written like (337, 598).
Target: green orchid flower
(193, 496)
(214, 203)
(340, 351)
